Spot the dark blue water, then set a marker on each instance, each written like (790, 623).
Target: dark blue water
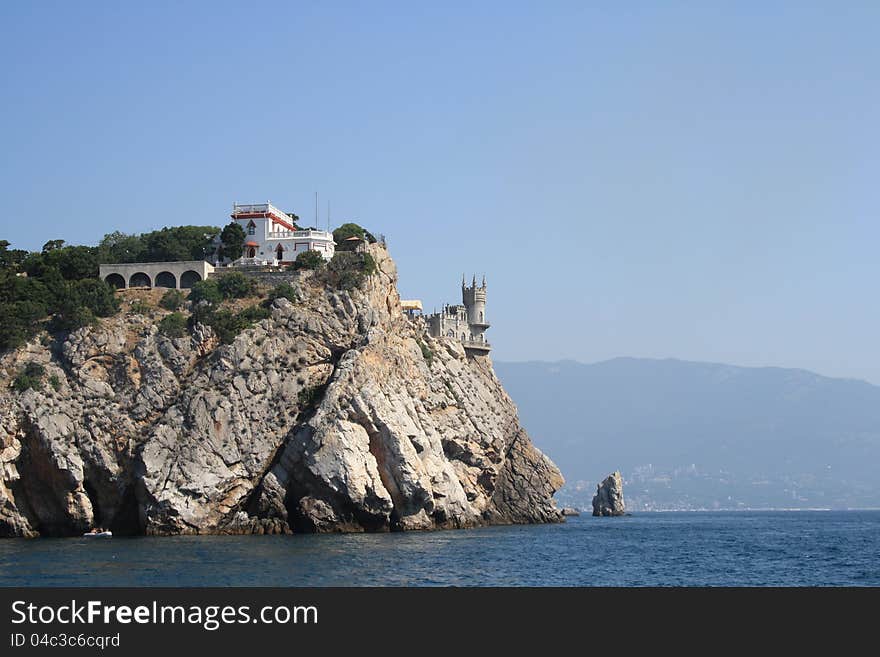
(755, 549)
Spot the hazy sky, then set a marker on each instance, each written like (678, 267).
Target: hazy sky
(692, 180)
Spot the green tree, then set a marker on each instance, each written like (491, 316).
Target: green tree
(71, 317)
(207, 291)
(236, 285)
(72, 262)
(119, 247)
(345, 231)
(177, 243)
(227, 325)
(232, 238)
(308, 260)
(20, 322)
(75, 262)
(173, 325)
(23, 288)
(95, 295)
(10, 258)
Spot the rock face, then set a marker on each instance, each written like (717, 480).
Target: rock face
(335, 414)
(608, 500)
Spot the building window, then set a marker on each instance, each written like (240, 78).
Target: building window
(252, 227)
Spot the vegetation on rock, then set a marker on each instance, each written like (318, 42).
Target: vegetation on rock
(29, 378)
(173, 243)
(283, 291)
(342, 234)
(236, 285)
(173, 325)
(308, 260)
(172, 300)
(348, 270)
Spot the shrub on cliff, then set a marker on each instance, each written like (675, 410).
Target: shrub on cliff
(283, 291)
(308, 260)
(29, 378)
(348, 270)
(253, 314)
(172, 300)
(236, 285)
(227, 324)
(173, 325)
(205, 291)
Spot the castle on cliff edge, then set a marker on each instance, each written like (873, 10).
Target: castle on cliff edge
(466, 321)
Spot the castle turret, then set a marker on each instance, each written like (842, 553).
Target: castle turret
(474, 299)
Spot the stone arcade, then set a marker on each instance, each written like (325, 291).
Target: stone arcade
(180, 275)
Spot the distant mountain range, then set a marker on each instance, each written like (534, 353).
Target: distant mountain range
(691, 435)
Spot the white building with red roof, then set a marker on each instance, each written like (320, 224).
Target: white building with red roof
(273, 238)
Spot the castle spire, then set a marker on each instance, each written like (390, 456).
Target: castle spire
(484, 281)
(474, 281)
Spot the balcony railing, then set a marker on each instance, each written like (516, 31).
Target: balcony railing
(255, 262)
(305, 234)
(259, 208)
(250, 208)
(476, 344)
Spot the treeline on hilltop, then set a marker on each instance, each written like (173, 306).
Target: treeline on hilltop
(58, 288)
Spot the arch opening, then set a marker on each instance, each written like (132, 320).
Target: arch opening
(115, 280)
(166, 279)
(140, 279)
(189, 277)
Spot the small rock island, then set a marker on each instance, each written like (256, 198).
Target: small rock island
(608, 500)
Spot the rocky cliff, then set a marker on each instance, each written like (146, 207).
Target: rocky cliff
(336, 413)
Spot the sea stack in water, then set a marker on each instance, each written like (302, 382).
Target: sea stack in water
(609, 497)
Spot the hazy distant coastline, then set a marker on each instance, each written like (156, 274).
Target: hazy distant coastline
(691, 436)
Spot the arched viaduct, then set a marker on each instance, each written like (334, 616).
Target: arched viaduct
(178, 275)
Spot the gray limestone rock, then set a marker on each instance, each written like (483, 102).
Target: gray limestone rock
(324, 417)
(608, 500)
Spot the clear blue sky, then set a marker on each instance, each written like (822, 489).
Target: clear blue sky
(692, 180)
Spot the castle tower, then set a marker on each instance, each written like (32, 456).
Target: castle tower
(474, 299)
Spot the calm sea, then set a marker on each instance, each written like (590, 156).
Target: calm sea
(809, 548)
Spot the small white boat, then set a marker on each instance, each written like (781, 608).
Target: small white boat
(106, 534)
